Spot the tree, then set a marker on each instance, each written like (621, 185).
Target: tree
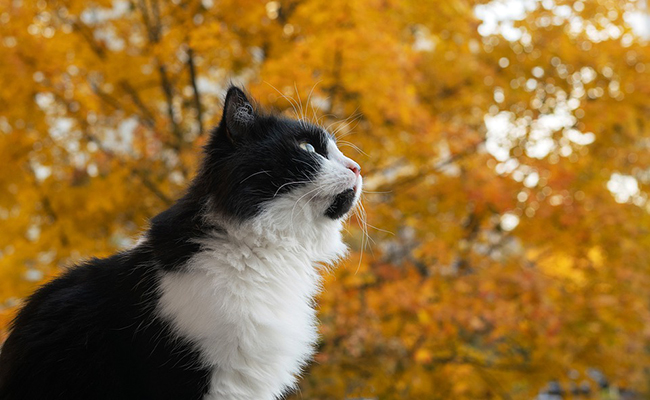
(505, 163)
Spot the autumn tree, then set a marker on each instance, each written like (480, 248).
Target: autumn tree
(504, 148)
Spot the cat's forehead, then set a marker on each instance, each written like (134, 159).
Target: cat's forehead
(307, 130)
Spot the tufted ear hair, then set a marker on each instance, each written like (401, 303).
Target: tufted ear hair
(238, 114)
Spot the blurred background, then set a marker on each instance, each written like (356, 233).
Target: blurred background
(505, 148)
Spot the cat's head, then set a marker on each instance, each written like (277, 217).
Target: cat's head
(260, 165)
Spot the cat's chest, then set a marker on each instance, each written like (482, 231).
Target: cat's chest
(250, 314)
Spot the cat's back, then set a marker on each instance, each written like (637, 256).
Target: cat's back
(91, 333)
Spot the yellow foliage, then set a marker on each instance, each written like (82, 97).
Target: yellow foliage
(507, 245)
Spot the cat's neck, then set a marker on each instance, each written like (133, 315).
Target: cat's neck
(316, 238)
(319, 241)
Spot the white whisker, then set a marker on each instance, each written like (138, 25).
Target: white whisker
(256, 173)
(354, 114)
(313, 110)
(346, 125)
(376, 192)
(289, 183)
(302, 111)
(292, 101)
(301, 197)
(352, 145)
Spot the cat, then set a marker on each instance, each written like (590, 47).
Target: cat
(216, 300)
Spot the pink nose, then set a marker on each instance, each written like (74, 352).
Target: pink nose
(354, 167)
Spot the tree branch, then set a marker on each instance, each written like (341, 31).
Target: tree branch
(152, 186)
(425, 171)
(148, 117)
(141, 173)
(197, 96)
(147, 21)
(86, 33)
(154, 29)
(169, 99)
(155, 10)
(105, 97)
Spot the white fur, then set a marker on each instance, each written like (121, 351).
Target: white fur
(246, 300)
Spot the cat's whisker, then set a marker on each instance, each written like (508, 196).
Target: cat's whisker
(325, 117)
(303, 162)
(302, 111)
(376, 192)
(256, 173)
(313, 111)
(365, 236)
(352, 145)
(291, 100)
(307, 203)
(319, 121)
(356, 214)
(289, 183)
(346, 125)
(338, 122)
(380, 230)
(310, 199)
(363, 224)
(293, 209)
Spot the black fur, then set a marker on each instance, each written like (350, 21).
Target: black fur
(93, 332)
(341, 204)
(261, 160)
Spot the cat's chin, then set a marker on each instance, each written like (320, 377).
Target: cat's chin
(342, 204)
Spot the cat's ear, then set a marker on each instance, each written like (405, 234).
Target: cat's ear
(238, 114)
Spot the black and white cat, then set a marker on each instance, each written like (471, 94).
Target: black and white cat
(216, 300)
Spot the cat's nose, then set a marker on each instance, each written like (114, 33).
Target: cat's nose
(354, 167)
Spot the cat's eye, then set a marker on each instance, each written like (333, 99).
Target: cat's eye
(307, 147)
